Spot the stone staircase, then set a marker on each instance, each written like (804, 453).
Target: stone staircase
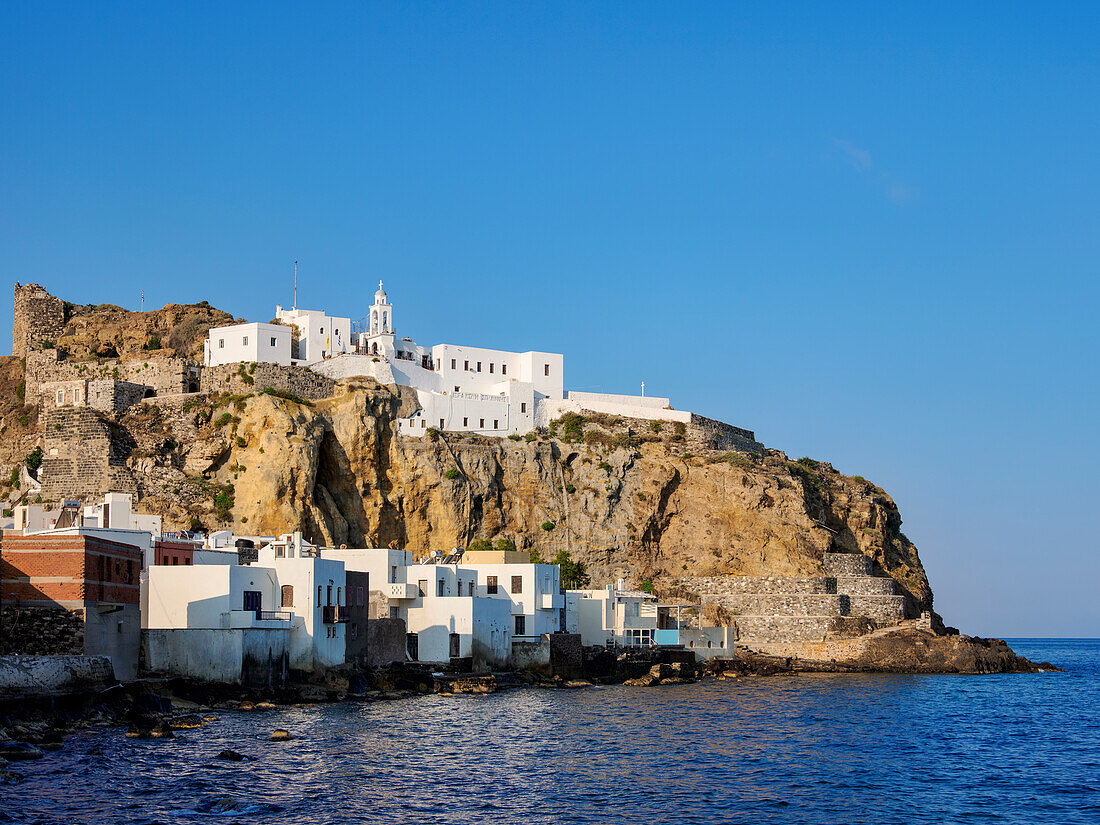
(848, 600)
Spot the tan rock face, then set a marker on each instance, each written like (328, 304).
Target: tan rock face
(111, 331)
(338, 471)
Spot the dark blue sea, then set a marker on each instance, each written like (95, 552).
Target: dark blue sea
(791, 749)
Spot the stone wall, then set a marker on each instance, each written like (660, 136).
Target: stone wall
(717, 435)
(83, 456)
(105, 395)
(776, 585)
(38, 317)
(41, 631)
(241, 379)
(566, 655)
(770, 604)
(160, 372)
(846, 564)
(385, 642)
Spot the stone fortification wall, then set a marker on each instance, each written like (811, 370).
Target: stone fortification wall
(884, 610)
(39, 317)
(717, 435)
(163, 374)
(865, 585)
(83, 456)
(108, 396)
(385, 642)
(241, 379)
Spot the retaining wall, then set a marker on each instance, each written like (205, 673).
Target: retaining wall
(796, 604)
(237, 380)
(764, 585)
(846, 564)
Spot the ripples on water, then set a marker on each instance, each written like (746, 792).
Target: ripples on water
(800, 749)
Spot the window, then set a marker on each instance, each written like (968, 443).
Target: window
(339, 596)
(517, 584)
(423, 423)
(322, 330)
(165, 560)
(482, 424)
(479, 366)
(187, 561)
(456, 389)
(496, 424)
(441, 423)
(60, 396)
(422, 587)
(460, 587)
(221, 343)
(287, 599)
(393, 574)
(453, 363)
(490, 367)
(523, 406)
(503, 369)
(272, 342)
(328, 596)
(521, 625)
(546, 369)
(244, 340)
(440, 588)
(466, 366)
(175, 559)
(491, 585)
(318, 595)
(465, 422)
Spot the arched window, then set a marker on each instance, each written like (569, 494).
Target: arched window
(288, 595)
(374, 348)
(385, 320)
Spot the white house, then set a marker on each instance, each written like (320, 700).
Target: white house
(314, 590)
(612, 617)
(533, 592)
(261, 343)
(383, 568)
(317, 336)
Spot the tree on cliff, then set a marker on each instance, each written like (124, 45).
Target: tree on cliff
(574, 574)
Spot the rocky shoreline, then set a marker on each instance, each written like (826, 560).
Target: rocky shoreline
(32, 726)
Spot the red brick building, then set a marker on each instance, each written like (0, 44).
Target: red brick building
(166, 551)
(94, 579)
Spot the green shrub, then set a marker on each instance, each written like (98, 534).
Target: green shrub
(451, 474)
(241, 442)
(21, 390)
(504, 545)
(569, 488)
(626, 439)
(548, 526)
(195, 526)
(24, 420)
(536, 557)
(680, 428)
(687, 456)
(246, 377)
(34, 460)
(433, 433)
(223, 419)
(647, 586)
(153, 342)
(480, 545)
(808, 463)
(223, 502)
(641, 496)
(530, 437)
(252, 368)
(603, 465)
(655, 426)
(571, 425)
(14, 480)
(515, 437)
(8, 513)
(574, 574)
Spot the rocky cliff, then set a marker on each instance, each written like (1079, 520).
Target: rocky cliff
(628, 499)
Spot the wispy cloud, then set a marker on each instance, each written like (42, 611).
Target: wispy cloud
(896, 191)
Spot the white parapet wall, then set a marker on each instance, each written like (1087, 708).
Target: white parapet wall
(628, 406)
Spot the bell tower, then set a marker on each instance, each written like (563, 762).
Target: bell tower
(380, 333)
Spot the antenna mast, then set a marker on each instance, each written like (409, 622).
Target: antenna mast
(295, 284)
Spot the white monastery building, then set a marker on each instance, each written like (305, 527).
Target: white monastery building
(459, 388)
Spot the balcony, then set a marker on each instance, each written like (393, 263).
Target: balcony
(332, 614)
(270, 619)
(551, 601)
(400, 591)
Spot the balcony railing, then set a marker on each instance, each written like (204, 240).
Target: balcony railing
(275, 615)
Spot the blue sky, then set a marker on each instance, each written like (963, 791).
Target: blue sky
(866, 231)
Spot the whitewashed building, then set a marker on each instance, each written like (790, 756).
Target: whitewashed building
(533, 593)
(612, 617)
(316, 335)
(259, 343)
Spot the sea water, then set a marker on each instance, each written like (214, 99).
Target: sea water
(786, 749)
